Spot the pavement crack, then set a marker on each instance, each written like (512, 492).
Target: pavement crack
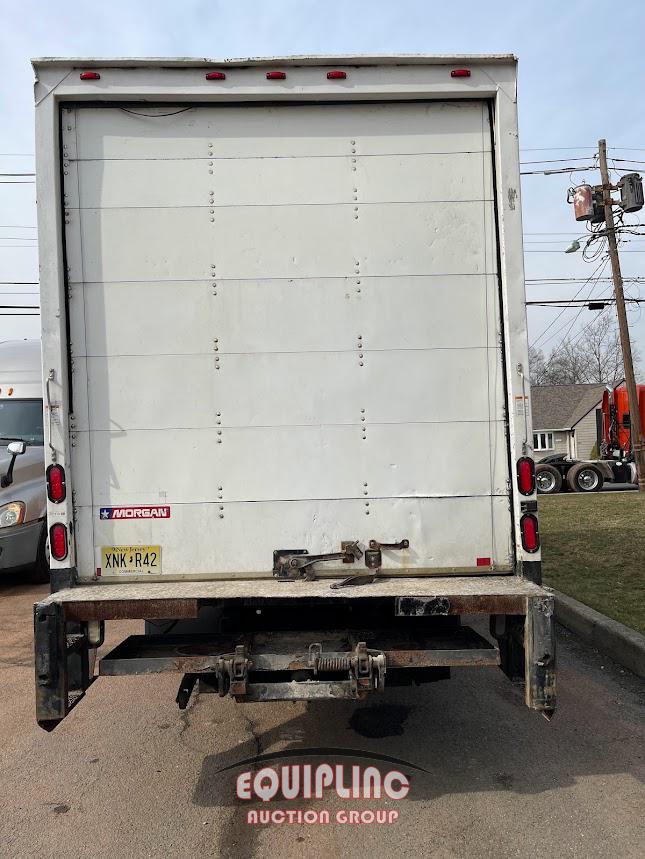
(238, 840)
(256, 738)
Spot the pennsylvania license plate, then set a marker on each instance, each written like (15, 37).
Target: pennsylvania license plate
(130, 560)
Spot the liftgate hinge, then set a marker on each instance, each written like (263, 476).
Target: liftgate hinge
(230, 675)
(366, 667)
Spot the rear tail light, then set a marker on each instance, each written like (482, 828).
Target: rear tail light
(530, 532)
(90, 76)
(526, 475)
(216, 76)
(58, 541)
(276, 76)
(56, 488)
(336, 75)
(460, 73)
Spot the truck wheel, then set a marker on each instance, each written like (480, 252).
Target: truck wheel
(40, 571)
(547, 479)
(585, 477)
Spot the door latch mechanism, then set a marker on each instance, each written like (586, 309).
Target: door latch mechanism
(373, 556)
(290, 564)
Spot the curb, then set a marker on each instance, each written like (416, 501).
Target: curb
(622, 644)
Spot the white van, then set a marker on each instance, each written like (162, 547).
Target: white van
(23, 499)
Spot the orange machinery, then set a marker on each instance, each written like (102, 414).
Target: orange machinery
(616, 422)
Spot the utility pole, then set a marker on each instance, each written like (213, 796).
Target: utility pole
(636, 436)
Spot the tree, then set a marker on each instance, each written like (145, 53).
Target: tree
(592, 355)
(537, 366)
(604, 353)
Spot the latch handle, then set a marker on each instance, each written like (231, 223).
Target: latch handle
(293, 563)
(402, 544)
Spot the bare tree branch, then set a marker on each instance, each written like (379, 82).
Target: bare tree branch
(595, 356)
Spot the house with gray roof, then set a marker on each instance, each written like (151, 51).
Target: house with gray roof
(565, 419)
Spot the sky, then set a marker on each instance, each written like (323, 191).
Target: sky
(580, 78)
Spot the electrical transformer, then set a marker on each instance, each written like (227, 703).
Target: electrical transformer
(631, 192)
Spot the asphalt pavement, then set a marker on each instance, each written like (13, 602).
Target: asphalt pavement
(128, 775)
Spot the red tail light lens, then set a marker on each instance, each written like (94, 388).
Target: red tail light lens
(526, 475)
(530, 532)
(58, 541)
(90, 76)
(56, 489)
(460, 73)
(276, 76)
(216, 76)
(336, 75)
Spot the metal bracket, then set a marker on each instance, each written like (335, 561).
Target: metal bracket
(402, 544)
(365, 667)
(290, 564)
(357, 579)
(232, 672)
(373, 555)
(368, 667)
(62, 662)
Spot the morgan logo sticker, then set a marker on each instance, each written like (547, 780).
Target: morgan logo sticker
(145, 512)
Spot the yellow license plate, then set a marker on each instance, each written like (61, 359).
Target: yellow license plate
(130, 560)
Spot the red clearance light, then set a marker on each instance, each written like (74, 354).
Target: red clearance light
(336, 76)
(58, 541)
(530, 532)
(216, 76)
(484, 562)
(526, 475)
(56, 489)
(90, 76)
(276, 76)
(460, 73)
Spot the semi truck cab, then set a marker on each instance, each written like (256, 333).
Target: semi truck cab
(23, 500)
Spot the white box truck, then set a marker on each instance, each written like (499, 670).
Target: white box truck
(285, 358)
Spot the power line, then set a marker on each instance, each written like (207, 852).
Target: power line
(553, 280)
(573, 322)
(556, 160)
(597, 271)
(566, 302)
(558, 251)
(556, 148)
(558, 170)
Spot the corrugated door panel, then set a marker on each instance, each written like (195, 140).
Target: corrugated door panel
(290, 389)
(251, 531)
(284, 181)
(298, 131)
(314, 241)
(293, 315)
(285, 327)
(292, 463)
